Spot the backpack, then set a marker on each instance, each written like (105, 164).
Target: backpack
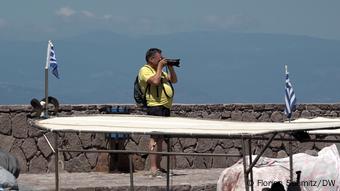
(139, 96)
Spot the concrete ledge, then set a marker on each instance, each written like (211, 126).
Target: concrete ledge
(183, 180)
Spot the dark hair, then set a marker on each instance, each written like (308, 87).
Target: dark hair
(151, 52)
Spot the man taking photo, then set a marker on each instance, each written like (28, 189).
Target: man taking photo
(159, 93)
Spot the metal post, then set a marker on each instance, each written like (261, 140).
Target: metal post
(131, 172)
(250, 161)
(246, 181)
(291, 161)
(56, 161)
(290, 153)
(46, 94)
(46, 77)
(168, 165)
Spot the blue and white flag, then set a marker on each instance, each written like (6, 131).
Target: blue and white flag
(290, 99)
(53, 61)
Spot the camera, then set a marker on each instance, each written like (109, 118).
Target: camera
(173, 62)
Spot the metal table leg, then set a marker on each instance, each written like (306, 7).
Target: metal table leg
(246, 181)
(291, 161)
(56, 161)
(168, 165)
(131, 172)
(251, 170)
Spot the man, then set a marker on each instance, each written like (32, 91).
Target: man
(159, 96)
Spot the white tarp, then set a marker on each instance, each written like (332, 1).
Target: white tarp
(176, 125)
(320, 120)
(319, 173)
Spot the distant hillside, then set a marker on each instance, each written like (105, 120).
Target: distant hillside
(216, 67)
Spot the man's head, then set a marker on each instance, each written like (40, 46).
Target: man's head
(153, 56)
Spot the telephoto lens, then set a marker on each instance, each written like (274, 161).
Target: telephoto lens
(173, 62)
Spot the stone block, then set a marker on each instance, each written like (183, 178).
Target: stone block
(85, 139)
(144, 143)
(79, 107)
(66, 108)
(236, 115)
(43, 146)
(249, 116)
(218, 161)
(20, 126)
(214, 115)
(72, 142)
(51, 164)
(172, 162)
(226, 143)
(103, 162)
(277, 116)
(232, 160)
(202, 162)
(244, 107)
(99, 140)
(29, 148)
(177, 147)
(81, 164)
(267, 153)
(306, 114)
(259, 107)
(17, 152)
(135, 138)
(229, 107)
(20, 108)
(131, 146)
(276, 144)
(92, 158)
(35, 132)
(265, 117)
(188, 142)
(282, 154)
(226, 115)
(269, 107)
(204, 114)
(204, 145)
(6, 142)
(5, 109)
(182, 162)
(138, 162)
(38, 164)
(5, 124)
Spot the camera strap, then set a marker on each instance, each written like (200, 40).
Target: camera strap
(162, 85)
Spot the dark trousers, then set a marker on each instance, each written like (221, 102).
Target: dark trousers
(158, 111)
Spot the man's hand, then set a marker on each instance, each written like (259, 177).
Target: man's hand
(162, 62)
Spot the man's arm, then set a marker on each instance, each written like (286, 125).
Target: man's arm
(156, 79)
(172, 77)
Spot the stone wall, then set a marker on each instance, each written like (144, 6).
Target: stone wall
(35, 156)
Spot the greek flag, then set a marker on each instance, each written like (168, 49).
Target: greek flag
(53, 61)
(290, 98)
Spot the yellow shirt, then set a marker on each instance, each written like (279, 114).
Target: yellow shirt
(151, 96)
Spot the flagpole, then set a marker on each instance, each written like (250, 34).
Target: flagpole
(290, 148)
(46, 79)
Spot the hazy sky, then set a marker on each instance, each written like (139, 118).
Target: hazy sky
(43, 19)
